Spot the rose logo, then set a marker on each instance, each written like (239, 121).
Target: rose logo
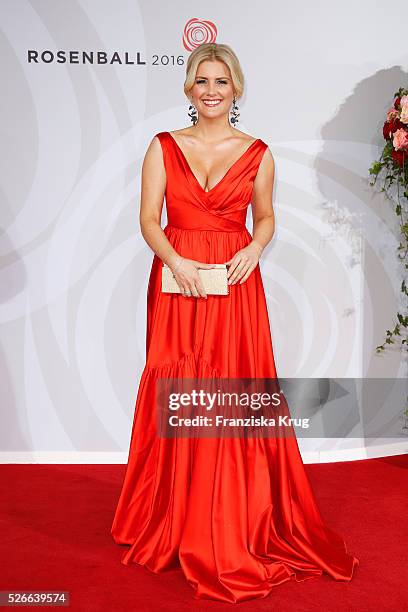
(198, 32)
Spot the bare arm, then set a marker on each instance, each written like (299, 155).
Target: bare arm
(246, 259)
(262, 208)
(151, 204)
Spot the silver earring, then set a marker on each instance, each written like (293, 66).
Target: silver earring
(192, 113)
(234, 112)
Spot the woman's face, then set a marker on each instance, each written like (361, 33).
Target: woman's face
(213, 91)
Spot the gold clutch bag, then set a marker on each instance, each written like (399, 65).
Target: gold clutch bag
(214, 280)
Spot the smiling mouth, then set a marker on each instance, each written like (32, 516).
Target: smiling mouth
(211, 102)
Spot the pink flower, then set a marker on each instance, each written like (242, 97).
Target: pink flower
(404, 109)
(392, 114)
(404, 100)
(400, 140)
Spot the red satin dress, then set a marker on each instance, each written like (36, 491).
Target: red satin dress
(238, 515)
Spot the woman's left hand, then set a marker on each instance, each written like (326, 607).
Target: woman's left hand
(243, 263)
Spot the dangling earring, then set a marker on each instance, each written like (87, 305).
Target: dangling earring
(234, 112)
(192, 113)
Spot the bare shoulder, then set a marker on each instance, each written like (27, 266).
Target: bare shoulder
(154, 144)
(153, 157)
(266, 169)
(267, 158)
(267, 163)
(155, 147)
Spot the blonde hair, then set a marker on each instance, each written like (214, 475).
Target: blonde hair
(213, 52)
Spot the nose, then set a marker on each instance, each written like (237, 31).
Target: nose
(211, 89)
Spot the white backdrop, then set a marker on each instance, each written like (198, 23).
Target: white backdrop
(74, 266)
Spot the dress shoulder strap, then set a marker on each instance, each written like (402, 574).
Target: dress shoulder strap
(263, 144)
(162, 136)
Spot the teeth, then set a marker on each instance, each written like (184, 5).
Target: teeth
(212, 102)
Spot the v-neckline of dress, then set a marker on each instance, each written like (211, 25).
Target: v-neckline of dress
(197, 182)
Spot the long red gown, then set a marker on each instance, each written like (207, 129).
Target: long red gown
(237, 514)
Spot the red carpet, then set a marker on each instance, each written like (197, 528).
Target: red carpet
(55, 535)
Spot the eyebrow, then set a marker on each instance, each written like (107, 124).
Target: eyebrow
(219, 77)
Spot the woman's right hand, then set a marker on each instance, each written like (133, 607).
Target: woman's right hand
(187, 278)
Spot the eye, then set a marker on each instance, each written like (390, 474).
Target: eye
(221, 81)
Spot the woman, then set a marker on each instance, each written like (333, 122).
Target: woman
(237, 514)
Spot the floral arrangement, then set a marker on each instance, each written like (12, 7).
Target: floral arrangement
(392, 167)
